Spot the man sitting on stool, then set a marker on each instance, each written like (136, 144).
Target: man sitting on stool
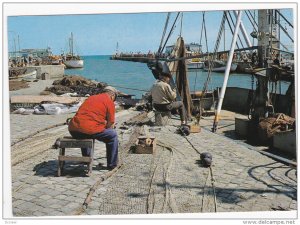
(163, 96)
(95, 119)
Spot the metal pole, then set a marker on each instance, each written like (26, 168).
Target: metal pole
(224, 35)
(15, 48)
(244, 32)
(72, 53)
(18, 44)
(228, 65)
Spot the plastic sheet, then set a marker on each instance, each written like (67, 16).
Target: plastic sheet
(56, 109)
(49, 109)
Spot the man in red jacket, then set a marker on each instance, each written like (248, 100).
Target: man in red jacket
(95, 119)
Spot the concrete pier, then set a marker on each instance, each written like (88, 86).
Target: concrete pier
(54, 71)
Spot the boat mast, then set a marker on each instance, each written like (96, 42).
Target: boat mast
(15, 48)
(71, 44)
(19, 44)
(267, 36)
(267, 42)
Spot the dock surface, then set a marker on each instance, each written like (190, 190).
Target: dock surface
(170, 181)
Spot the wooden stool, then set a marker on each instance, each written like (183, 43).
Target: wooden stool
(69, 142)
(162, 118)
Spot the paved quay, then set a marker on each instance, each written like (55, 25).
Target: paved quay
(170, 181)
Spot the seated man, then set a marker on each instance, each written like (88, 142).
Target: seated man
(163, 96)
(95, 119)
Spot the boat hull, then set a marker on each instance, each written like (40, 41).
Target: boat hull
(74, 63)
(222, 68)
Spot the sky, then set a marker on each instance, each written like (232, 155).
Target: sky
(98, 34)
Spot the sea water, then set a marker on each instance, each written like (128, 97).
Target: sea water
(126, 76)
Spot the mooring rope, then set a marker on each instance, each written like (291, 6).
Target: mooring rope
(211, 175)
(39, 131)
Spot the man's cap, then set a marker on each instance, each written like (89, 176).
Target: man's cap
(110, 89)
(164, 69)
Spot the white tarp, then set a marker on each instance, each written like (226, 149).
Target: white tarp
(49, 109)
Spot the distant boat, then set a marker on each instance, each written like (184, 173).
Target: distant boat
(55, 60)
(72, 60)
(195, 63)
(219, 66)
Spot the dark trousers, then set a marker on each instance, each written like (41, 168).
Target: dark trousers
(109, 137)
(172, 106)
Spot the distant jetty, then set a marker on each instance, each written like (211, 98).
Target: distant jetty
(143, 58)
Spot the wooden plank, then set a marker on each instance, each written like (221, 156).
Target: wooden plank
(74, 143)
(74, 158)
(36, 99)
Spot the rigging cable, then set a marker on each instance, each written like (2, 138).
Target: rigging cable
(252, 17)
(254, 25)
(170, 32)
(284, 30)
(202, 27)
(200, 43)
(288, 22)
(205, 33)
(231, 29)
(164, 32)
(234, 26)
(211, 61)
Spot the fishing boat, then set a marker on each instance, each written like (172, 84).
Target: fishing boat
(72, 60)
(219, 66)
(195, 63)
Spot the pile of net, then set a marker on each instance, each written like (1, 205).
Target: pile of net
(76, 84)
(268, 127)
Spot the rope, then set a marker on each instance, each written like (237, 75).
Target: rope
(282, 28)
(170, 32)
(164, 32)
(169, 198)
(31, 135)
(195, 81)
(253, 97)
(202, 27)
(211, 61)
(252, 17)
(205, 33)
(204, 192)
(234, 25)
(212, 177)
(213, 187)
(253, 25)
(88, 199)
(230, 27)
(135, 89)
(150, 187)
(288, 22)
